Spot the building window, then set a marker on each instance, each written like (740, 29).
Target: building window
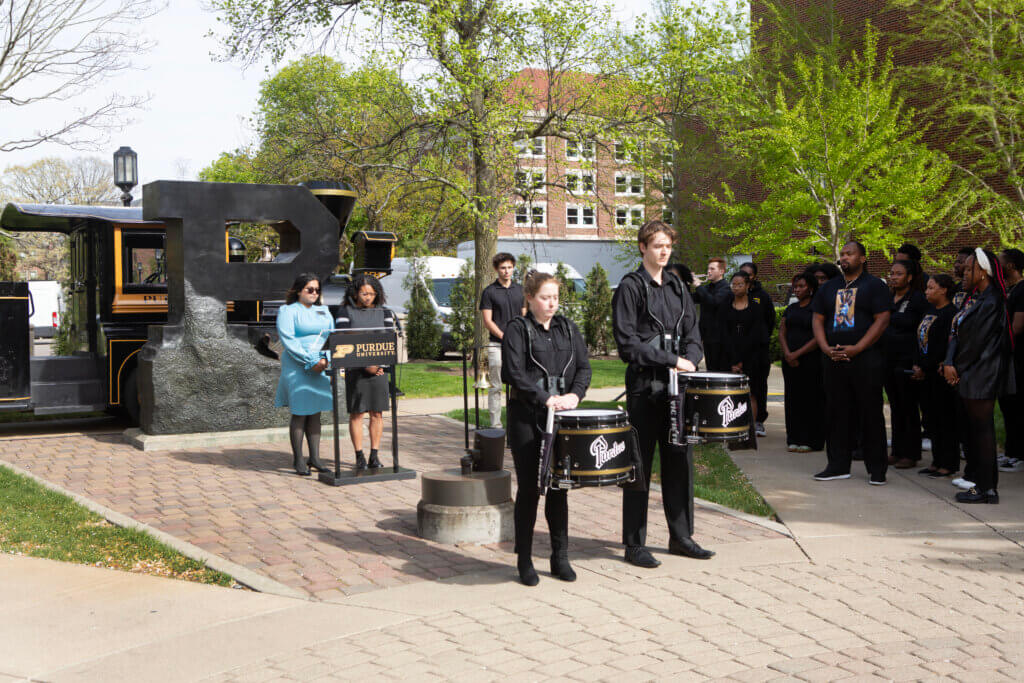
(531, 215)
(580, 216)
(580, 182)
(666, 183)
(629, 184)
(533, 148)
(667, 216)
(530, 180)
(629, 216)
(575, 150)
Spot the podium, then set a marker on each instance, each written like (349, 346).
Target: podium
(359, 348)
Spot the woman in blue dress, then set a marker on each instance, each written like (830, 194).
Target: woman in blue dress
(303, 324)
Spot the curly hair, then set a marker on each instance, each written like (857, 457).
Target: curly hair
(360, 281)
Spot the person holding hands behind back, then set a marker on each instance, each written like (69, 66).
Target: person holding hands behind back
(655, 326)
(302, 326)
(545, 363)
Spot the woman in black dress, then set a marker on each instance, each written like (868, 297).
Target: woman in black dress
(801, 370)
(980, 365)
(900, 341)
(938, 398)
(366, 389)
(744, 333)
(545, 362)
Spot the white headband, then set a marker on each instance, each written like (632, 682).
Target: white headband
(982, 259)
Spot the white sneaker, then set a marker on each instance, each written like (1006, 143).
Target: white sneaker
(1003, 460)
(962, 483)
(792, 448)
(759, 429)
(926, 444)
(1012, 465)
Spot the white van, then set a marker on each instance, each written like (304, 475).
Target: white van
(443, 272)
(47, 306)
(578, 283)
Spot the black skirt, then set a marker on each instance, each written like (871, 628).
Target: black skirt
(366, 393)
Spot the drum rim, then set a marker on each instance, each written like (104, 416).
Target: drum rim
(589, 412)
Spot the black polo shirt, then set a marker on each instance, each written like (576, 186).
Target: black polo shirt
(504, 303)
(850, 308)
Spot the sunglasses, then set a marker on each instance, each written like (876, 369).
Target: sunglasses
(313, 290)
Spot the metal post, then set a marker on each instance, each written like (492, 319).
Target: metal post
(334, 409)
(394, 421)
(465, 396)
(476, 380)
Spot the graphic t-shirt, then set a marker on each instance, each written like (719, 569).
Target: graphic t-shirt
(933, 337)
(849, 308)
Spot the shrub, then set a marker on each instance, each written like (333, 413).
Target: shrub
(597, 311)
(462, 321)
(422, 330)
(570, 302)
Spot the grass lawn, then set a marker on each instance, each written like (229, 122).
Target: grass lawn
(427, 379)
(717, 478)
(39, 522)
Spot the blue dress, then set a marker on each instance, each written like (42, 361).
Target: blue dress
(303, 332)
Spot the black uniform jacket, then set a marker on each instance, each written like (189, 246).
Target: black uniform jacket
(713, 298)
(642, 312)
(557, 352)
(979, 347)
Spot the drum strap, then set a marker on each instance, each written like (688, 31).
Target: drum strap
(552, 385)
(671, 279)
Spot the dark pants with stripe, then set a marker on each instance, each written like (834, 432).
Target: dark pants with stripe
(649, 414)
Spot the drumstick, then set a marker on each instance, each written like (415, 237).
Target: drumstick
(546, 443)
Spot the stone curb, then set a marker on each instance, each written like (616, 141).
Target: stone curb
(134, 436)
(241, 574)
(777, 527)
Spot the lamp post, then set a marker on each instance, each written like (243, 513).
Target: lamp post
(126, 172)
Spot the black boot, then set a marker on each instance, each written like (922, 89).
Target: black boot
(374, 460)
(360, 461)
(560, 566)
(527, 574)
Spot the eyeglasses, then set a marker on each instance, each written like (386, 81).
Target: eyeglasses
(313, 290)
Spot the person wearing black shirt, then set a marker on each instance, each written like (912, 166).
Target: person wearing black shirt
(655, 326)
(850, 315)
(759, 390)
(938, 399)
(959, 264)
(979, 363)
(907, 309)
(501, 301)
(713, 297)
(1012, 405)
(801, 370)
(823, 272)
(546, 366)
(743, 333)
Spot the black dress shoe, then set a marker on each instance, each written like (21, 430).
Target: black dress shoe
(360, 461)
(688, 548)
(927, 470)
(527, 574)
(301, 469)
(975, 496)
(561, 568)
(318, 464)
(640, 556)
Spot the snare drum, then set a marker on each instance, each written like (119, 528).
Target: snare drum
(717, 406)
(593, 448)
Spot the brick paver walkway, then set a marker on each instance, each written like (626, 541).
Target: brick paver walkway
(247, 505)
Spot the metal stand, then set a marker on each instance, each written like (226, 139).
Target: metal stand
(465, 397)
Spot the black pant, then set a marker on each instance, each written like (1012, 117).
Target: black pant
(906, 421)
(939, 403)
(524, 436)
(759, 384)
(805, 402)
(1012, 406)
(649, 414)
(855, 388)
(714, 357)
(982, 427)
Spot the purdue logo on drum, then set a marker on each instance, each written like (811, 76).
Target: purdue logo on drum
(602, 453)
(729, 412)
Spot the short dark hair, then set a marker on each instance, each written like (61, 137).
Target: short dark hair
(501, 257)
(860, 247)
(945, 282)
(751, 265)
(830, 269)
(1014, 257)
(652, 228)
(359, 281)
(808, 277)
(684, 273)
(965, 251)
(741, 274)
(910, 250)
(300, 284)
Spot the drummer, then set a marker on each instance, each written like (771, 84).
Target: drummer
(655, 325)
(545, 364)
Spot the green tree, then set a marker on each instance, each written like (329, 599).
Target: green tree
(569, 300)
(422, 330)
(597, 311)
(524, 264)
(974, 88)
(839, 157)
(477, 100)
(463, 301)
